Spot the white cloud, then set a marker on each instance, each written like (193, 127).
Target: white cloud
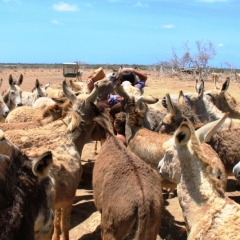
(168, 26)
(140, 4)
(65, 7)
(55, 21)
(220, 45)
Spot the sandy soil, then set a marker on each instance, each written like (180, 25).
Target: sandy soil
(85, 219)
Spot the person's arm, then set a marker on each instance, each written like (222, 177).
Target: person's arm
(142, 76)
(90, 84)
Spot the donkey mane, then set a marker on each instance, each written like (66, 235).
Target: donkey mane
(103, 119)
(99, 120)
(47, 112)
(190, 115)
(135, 115)
(66, 107)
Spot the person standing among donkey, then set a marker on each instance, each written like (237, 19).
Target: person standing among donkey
(134, 76)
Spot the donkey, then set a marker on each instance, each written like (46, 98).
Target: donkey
(225, 141)
(151, 106)
(3, 107)
(13, 96)
(126, 190)
(25, 195)
(79, 86)
(138, 136)
(65, 138)
(236, 172)
(208, 213)
(31, 114)
(223, 100)
(170, 168)
(28, 98)
(177, 112)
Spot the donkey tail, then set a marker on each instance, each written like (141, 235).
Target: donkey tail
(143, 218)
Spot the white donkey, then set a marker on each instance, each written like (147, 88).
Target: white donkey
(208, 213)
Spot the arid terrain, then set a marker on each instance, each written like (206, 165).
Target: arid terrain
(85, 219)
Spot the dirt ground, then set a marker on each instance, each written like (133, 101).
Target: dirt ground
(85, 219)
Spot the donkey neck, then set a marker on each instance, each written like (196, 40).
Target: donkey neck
(205, 109)
(83, 136)
(234, 111)
(213, 112)
(196, 189)
(235, 114)
(226, 103)
(131, 127)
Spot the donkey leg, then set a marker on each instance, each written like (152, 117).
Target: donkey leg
(95, 148)
(57, 224)
(66, 216)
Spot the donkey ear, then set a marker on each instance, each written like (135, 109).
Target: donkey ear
(205, 133)
(171, 107)
(68, 92)
(182, 134)
(225, 85)
(37, 84)
(181, 100)
(20, 80)
(10, 80)
(46, 86)
(42, 164)
(148, 99)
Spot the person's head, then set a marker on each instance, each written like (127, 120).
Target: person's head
(127, 76)
(119, 123)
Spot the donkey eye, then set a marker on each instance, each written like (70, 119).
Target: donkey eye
(209, 95)
(12, 93)
(47, 183)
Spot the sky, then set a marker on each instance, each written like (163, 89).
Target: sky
(117, 31)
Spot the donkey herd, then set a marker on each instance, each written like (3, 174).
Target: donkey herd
(187, 142)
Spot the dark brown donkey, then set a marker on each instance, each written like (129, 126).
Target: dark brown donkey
(25, 198)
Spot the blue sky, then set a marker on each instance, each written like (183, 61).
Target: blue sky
(116, 31)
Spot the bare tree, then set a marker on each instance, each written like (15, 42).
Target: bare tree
(230, 66)
(233, 72)
(199, 60)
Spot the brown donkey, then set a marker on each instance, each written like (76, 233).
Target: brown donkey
(127, 191)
